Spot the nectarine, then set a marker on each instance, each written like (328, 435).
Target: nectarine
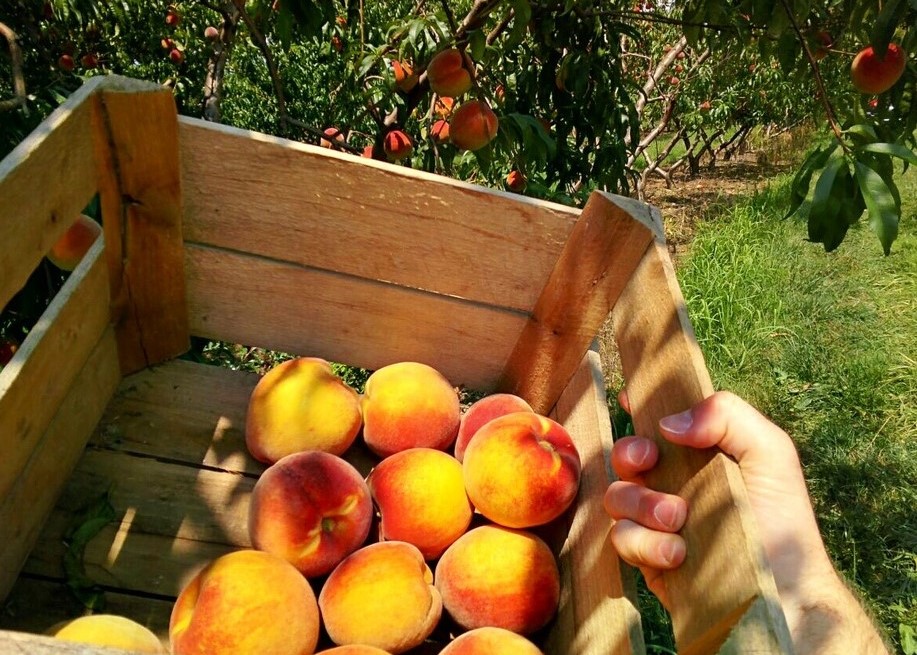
(245, 603)
(873, 74)
(70, 248)
(409, 405)
(382, 595)
(301, 405)
(473, 125)
(495, 576)
(312, 509)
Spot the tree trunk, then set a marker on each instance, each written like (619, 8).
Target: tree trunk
(216, 64)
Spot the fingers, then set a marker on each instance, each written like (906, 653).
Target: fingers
(640, 546)
(623, 400)
(633, 456)
(652, 509)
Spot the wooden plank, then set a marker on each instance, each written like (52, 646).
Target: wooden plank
(140, 192)
(36, 605)
(725, 571)
(182, 411)
(308, 205)
(17, 643)
(286, 307)
(124, 557)
(605, 246)
(28, 503)
(51, 357)
(603, 602)
(45, 182)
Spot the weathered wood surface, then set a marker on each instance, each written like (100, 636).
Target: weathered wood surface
(135, 136)
(289, 201)
(25, 507)
(17, 643)
(33, 387)
(606, 244)
(599, 614)
(724, 590)
(291, 308)
(45, 182)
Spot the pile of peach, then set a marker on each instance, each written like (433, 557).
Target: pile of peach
(392, 554)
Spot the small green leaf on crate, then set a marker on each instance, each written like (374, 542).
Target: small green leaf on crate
(86, 525)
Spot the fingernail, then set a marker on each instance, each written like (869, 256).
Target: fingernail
(638, 451)
(669, 550)
(666, 514)
(677, 423)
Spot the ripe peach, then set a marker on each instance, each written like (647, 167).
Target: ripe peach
(450, 73)
(354, 649)
(110, 630)
(66, 63)
(397, 145)
(490, 641)
(440, 131)
(521, 470)
(312, 509)
(483, 411)
(245, 603)
(443, 106)
(70, 248)
(173, 17)
(211, 33)
(90, 60)
(421, 498)
(473, 125)
(495, 576)
(333, 134)
(823, 41)
(8, 348)
(515, 181)
(301, 405)
(405, 77)
(368, 152)
(176, 56)
(873, 74)
(382, 595)
(409, 405)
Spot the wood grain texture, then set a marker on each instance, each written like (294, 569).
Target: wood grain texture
(287, 307)
(308, 205)
(18, 643)
(36, 605)
(24, 509)
(602, 598)
(605, 246)
(725, 571)
(140, 191)
(45, 182)
(52, 355)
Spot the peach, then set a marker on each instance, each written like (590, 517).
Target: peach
(397, 145)
(515, 181)
(440, 131)
(110, 630)
(421, 498)
(521, 470)
(301, 405)
(405, 77)
(245, 603)
(70, 248)
(356, 649)
(499, 577)
(874, 74)
(450, 73)
(382, 595)
(483, 411)
(443, 106)
(312, 509)
(473, 125)
(334, 135)
(409, 405)
(490, 641)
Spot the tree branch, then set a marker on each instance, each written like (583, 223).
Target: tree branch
(20, 97)
(260, 41)
(216, 63)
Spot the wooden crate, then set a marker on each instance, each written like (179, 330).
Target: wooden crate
(238, 236)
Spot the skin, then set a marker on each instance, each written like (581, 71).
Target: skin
(823, 615)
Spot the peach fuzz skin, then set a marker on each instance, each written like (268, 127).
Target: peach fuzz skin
(356, 649)
(483, 411)
(450, 73)
(473, 125)
(301, 405)
(421, 497)
(73, 245)
(245, 603)
(109, 630)
(382, 596)
(312, 509)
(521, 470)
(490, 641)
(495, 576)
(409, 405)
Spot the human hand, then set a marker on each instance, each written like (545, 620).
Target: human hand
(647, 521)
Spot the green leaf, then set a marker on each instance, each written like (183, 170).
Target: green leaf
(908, 634)
(803, 177)
(863, 130)
(894, 150)
(883, 211)
(883, 30)
(787, 52)
(285, 25)
(823, 211)
(477, 43)
(86, 525)
(522, 15)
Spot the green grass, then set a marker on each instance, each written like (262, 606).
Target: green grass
(826, 345)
